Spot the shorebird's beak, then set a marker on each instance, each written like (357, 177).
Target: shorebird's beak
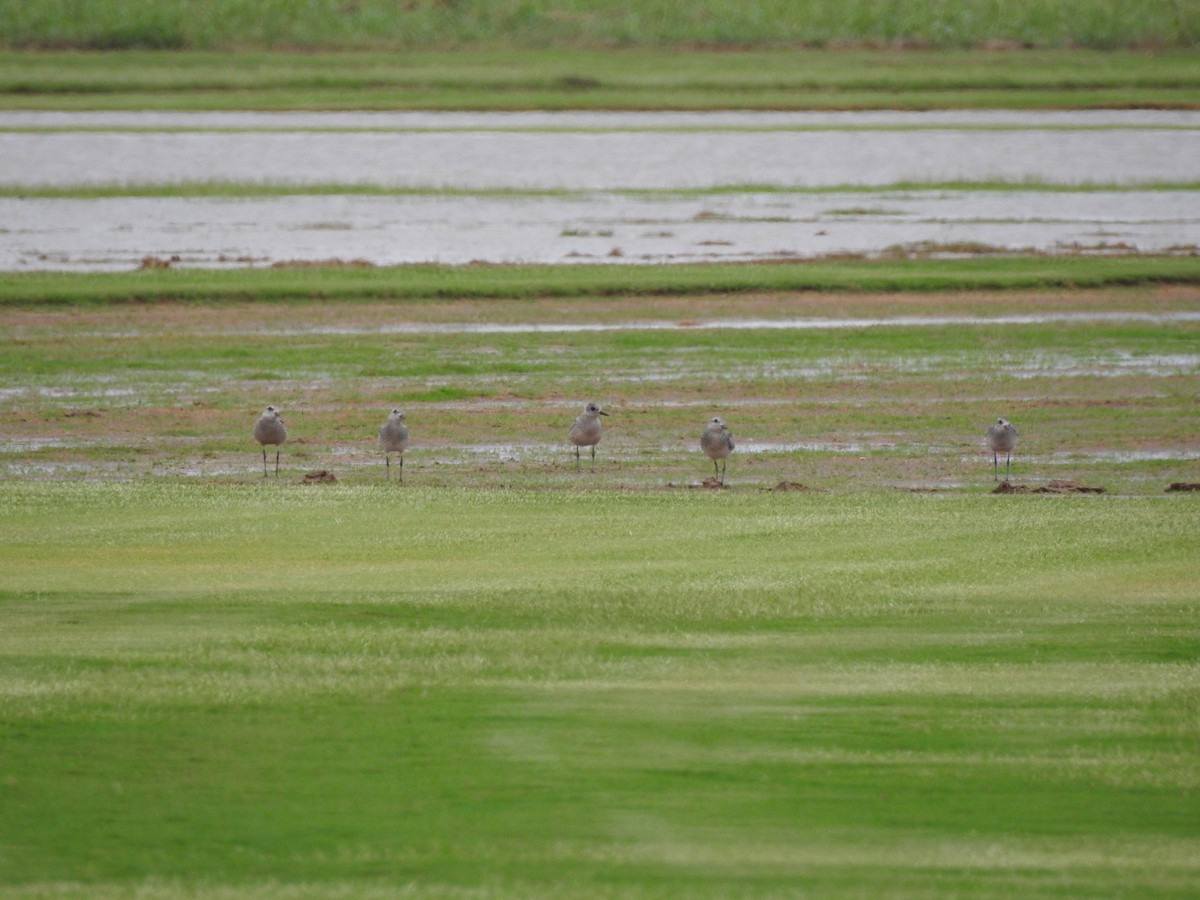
(603, 413)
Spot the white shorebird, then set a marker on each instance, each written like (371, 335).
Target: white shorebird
(1001, 438)
(585, 431)
(717, 442)
(393, 438)
(269, 429)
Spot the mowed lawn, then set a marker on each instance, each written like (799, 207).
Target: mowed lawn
(282, 690)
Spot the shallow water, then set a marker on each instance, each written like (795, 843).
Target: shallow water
(593, 156)
(118, 233)
(806, 324)
(601, 160)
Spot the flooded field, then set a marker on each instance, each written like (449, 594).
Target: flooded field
(598, 187)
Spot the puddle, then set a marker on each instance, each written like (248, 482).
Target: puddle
(34, 444)
(1124, 456)
(93, 394)
(1181, 361)
(1080, 457)
(1117, 366)
(745, 446)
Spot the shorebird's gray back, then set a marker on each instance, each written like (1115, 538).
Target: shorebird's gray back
(393, 434)
(1002, 437)
(585, 430)
(717, 440)
(269, 429)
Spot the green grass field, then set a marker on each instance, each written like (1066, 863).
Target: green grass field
(513, 677)
(499, 78)
(276, 691)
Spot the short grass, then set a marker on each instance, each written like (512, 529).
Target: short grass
(636, 78)
(274, 690)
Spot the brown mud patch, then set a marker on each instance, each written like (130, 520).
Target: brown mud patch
(323, 476)
(1054, 487)
(1183, 486)
(158, 262)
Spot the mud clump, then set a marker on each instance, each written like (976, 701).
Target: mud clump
(1007, 487)
(1054, 487)
(711, 484)
(157, 262)
(1068, 487)
(790, 486)
(323, 476)
(1180, 486)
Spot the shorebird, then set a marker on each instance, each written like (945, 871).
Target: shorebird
(717, 442)
(1001, 438)
(393, 438)
(269, 429)
(585, 431)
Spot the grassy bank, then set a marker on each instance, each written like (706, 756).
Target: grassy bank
(637, 78)
(223, 24)
(432, 282)
(273, 691)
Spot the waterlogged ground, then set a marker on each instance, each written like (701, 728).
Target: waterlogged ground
(836, 392)
(593, 187)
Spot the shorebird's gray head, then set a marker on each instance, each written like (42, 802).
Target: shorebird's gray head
(271, 412)
(1002, 422)
(716, 420)
(397, 414)
(594, 410)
